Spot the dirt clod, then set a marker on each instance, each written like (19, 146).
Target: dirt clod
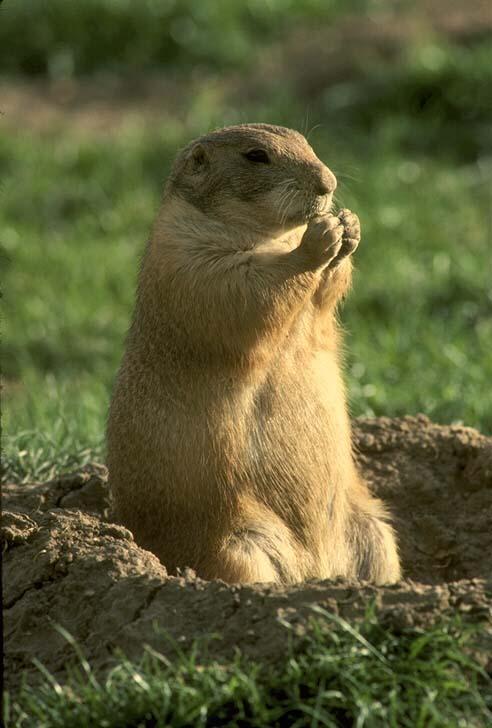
(65, 564)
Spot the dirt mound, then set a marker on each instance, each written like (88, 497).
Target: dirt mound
(64, 564)
(85, 490)
(437, 482)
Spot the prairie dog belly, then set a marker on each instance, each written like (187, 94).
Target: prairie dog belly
(296, 434)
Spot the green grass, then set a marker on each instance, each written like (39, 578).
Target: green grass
(409, 140)
(74, 217)
(365, 675)
(61, 38)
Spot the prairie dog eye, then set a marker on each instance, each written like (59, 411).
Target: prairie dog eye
(257, 155)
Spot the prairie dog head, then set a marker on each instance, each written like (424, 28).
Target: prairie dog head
(253, 175)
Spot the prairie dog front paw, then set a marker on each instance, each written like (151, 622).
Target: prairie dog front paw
(350, 236)
(322, 240)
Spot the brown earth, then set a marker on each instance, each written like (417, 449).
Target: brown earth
(65, 564)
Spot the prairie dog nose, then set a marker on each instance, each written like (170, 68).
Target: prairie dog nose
(327, 182)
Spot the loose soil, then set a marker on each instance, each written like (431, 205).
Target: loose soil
(66, 564)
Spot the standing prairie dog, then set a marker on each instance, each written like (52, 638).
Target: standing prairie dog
(229, 444)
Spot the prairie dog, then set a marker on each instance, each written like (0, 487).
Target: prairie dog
(229, 444)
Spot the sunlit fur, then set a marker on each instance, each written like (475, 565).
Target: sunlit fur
(229, 445)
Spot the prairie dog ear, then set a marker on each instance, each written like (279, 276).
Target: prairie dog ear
(198, 158)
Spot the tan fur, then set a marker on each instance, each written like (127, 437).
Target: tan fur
(229, 445)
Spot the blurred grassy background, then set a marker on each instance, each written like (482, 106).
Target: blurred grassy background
(396, 99)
